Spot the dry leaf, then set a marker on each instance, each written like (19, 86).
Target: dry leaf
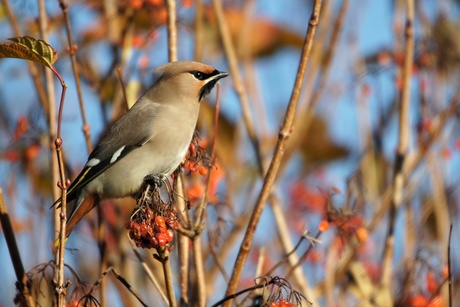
(29, 48)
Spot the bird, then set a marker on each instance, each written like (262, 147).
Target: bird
(149, 141)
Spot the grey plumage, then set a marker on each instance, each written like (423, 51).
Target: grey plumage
(152, 138)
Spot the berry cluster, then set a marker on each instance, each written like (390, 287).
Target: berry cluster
(197, 159)
(150, 229)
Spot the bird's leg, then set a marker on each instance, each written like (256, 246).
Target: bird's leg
(155, 180)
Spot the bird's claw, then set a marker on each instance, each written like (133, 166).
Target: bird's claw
(155, 180)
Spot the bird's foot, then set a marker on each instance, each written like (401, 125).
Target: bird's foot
(155, 180)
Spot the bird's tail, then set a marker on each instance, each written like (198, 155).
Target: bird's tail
(78, 212)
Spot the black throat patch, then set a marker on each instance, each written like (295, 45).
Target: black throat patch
(206, 89)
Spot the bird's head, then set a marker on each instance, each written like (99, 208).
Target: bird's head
(187, 79)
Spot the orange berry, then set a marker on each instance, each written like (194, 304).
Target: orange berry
(431, 283)
(160, 221)
(446, 153)
(362, 234)
(136, 4)
(384, 58)
(187, 3)
(32, 152)
(156, 2)
(202, 170)
(323, 226)
(336, 190)
(436, 302)
(445, 272)
(457, 144)
(315, 256)
(192, 149)
(138, 41)
(144, 62)
(191, 166)
(418, 301)
(22, 126)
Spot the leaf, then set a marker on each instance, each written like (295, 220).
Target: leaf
(29, 48)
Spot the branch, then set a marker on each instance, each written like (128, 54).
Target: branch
(238, 82)
(172, 30)
(284, 133)
(72, 50)
(14, 253)
(398, 179)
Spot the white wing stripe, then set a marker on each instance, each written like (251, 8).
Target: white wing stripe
(117, 154)
(93, 162)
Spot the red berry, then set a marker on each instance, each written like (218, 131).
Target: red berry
(144, 230)
(162, 239)
(170, 235)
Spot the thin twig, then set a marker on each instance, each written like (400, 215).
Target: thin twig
(200, 278)
(449, 268)
(148, 271)
(121, 279)
(163, 257)
(201, 209)
(244, 102)
(289, 248)
(285, 259)
(404, 126)
(215, 255)
(10, 239)
(325, 63)
(199, 30)
(123, 87)
(284, 133)
(184, 235)
(59, 277)
(305, 254)
(59, 273)
(72, 48)
(172, 30)
(184, 256)
(102, 246)
(238, 82)
(172, 56)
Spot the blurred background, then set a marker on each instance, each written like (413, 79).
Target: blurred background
(339, 162)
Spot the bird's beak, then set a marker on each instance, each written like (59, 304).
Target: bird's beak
(219, 75)
(222, 74)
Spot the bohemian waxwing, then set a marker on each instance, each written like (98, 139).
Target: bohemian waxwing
(151, 139)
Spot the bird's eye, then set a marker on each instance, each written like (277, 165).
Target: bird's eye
(198, 75)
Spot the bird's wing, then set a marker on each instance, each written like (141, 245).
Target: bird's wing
(131, 131)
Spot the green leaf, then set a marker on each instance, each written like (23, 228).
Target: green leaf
(29, 48)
